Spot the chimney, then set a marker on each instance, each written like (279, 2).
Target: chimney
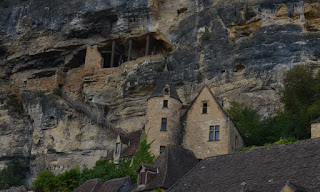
(315, 129)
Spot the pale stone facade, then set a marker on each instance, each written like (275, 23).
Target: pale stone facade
(94, 60)
(197, 128)
(315, 129)
(155, 113)
(207, 132)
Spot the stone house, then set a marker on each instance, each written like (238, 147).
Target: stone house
(204, 127)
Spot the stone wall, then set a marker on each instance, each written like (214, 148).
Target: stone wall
(315, 130)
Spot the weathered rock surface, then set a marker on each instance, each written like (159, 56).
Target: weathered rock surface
(240, 49)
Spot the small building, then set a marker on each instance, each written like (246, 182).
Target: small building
(205, 128)
(286, 168)
(125, 146)
(168, 168)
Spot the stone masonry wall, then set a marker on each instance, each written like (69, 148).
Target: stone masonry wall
(155, 112)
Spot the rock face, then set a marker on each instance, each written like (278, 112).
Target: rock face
(240, 49)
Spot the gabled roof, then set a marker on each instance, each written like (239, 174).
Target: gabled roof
(92, 185)
(134, 139)
(147, 167)
(263, 169)
(194, 100)
(173, 163)
(163, 79)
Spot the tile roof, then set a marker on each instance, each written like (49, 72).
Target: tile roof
(115, 185)
(15, 189)
(163, 79)
(264, 169)
(134, 139)
(173, 163)
(92, 185)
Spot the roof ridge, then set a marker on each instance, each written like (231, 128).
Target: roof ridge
(167, 161)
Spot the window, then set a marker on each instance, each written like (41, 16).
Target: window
(204, 107)
(214, 133)
(163, 124)
(165, 103)
(142, 178)
(118, 148)
(166, 91)
(162, 148)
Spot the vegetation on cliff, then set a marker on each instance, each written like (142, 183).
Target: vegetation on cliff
(301, 106)
(13, 174)
(104, 170)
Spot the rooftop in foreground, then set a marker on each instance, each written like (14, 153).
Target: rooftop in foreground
(266, 169)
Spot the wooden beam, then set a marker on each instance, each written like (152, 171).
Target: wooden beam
(112, 53)
(130, 50)
(147, 44)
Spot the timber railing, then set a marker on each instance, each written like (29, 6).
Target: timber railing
(95, 117)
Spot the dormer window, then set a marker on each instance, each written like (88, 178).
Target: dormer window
(142, 178)
(166, 90)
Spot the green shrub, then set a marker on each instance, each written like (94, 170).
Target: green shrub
(205, 36)
(43, 182)
(284, 141)
(249, 148)
(40, 93)
(13, 174)
(57, 91)
(14, 104)
(103, 169)
(4, 3)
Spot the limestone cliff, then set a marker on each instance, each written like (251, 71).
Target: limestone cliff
(240, 49)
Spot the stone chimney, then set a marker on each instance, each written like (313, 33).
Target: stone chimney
(315, 128)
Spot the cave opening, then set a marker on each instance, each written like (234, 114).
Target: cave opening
(118, 51)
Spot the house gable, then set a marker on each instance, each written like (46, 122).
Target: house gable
(208, 129)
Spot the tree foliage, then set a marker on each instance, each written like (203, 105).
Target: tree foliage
(13, 174)
(104, 170)
(300, 96)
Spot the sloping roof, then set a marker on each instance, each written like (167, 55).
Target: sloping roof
(163, 79)
(134, 139)
(114, 185)
(148, 167)
(219, 104)
(15, 189)
(316, 121)
(264, 169)
(95, 185)
(92, 185)
(173, 163)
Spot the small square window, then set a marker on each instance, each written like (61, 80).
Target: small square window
(164, 124)
(162, 148)
(166, 91)
(204, 107)
(214, 133)
(165, 103)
